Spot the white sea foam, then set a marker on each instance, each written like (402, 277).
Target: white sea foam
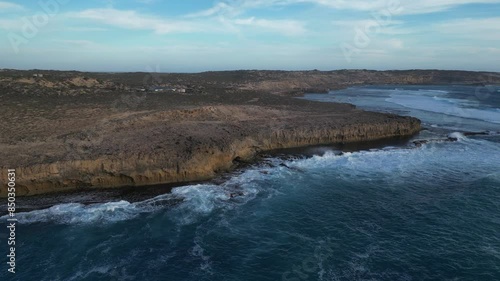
(78, 213)
(447, 106)
(197, 201)
(431, 161)
(457, 135)
(81, 275)
(201, 200)
(434, 91)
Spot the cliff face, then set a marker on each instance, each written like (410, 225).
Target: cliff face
(181, 145)
(72, 130)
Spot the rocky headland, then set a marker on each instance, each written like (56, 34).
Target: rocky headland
(66, 131)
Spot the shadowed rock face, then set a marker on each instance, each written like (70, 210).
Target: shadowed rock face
(189, 145)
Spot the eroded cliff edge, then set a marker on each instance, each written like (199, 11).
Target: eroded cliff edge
(66, 130)
(181, 145)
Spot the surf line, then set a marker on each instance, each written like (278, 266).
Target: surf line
(11, 220)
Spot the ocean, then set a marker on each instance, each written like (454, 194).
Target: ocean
(387, 212)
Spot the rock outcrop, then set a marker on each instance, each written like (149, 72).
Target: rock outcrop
(192, 145)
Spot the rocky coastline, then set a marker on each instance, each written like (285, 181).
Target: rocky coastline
(70, 131)
(149, 154)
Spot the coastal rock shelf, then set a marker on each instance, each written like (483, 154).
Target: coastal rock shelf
(68, 130)
(183, 145)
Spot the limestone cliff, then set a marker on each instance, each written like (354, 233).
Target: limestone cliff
(182, 146)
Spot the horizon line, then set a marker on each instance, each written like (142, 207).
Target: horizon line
(247, 70)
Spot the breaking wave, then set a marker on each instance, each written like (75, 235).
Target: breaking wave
(187, 204)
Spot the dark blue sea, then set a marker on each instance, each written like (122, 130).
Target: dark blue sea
(391, 212)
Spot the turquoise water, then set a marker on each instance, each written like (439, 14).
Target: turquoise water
(388, 213)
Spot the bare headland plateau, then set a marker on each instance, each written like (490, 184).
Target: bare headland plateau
(67, 130)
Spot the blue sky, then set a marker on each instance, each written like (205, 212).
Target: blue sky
(196, 35)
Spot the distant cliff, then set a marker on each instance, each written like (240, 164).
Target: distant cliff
(299, 82)
(289, 83)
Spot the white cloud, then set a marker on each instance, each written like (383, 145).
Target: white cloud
(431, 6)
(77, 43)
(10, 24)
(483, 29)
(133, 20)
(365, 22)
(129, 19)
(395, 43)
(287, 27)
(393, 6)
(4, 6)
(408, 6)
(215, 10)
(85, 29)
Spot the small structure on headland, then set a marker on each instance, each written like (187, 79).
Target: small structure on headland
(167, 89)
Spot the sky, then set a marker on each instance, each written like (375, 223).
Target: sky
(201, 35)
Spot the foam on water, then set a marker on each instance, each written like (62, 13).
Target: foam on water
(458, 136)
(196, 201)
(431, 91)
(458, 108)
(75, 213)
(433, 160)
(430, 210)
(447, 106)
(436, 161)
